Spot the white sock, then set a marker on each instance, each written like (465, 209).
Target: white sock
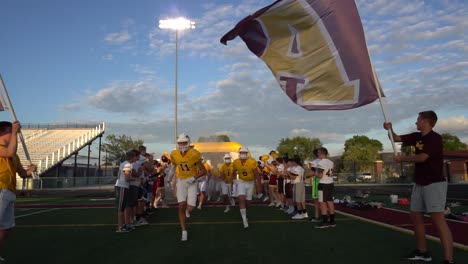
(244, 214)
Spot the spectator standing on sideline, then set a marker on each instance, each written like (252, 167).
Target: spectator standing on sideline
(10, 164)
(122, 193)
(326, 188)
(189, 169)
(429, 192)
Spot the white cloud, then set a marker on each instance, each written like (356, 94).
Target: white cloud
(454, 125)
(107, 57)
(419, 50)
(118, 37)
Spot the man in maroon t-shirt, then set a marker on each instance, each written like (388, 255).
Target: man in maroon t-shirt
(430, 186)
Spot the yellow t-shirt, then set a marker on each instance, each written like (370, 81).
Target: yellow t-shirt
(246, 170)
(187, 165)
(8, 172)
(226, 169)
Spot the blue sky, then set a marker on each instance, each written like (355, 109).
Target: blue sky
(107, 61)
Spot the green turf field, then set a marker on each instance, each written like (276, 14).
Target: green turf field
(86, 235)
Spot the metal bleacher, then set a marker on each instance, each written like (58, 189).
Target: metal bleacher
(49, 145)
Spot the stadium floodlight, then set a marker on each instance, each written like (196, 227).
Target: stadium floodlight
(176, 24)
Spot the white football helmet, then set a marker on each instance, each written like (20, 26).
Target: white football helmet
(183, 142)
(243, 153)
(227, 158)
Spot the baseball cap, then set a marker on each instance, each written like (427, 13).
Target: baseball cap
(314, 163)
(294, 171)
(127, 167)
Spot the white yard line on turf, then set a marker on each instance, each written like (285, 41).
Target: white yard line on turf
(44, 211)
(403, 230)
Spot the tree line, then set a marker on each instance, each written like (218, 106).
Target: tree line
(358, 149)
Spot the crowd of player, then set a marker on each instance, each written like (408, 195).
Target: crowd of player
(142, 181)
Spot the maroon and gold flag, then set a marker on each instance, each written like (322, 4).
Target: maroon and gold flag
(316, 49)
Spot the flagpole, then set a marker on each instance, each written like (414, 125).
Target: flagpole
(378, 88)
(12, 111)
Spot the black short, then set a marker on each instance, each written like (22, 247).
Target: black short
(325, 192)
(281, 185)
(133, 193)
(288, 193)
(121, 197)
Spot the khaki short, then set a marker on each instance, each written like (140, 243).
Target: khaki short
(429, 198)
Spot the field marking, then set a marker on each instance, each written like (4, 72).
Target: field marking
(44, 211)
(400, 229)
(177, 223)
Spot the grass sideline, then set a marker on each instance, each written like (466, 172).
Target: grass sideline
(87, 235)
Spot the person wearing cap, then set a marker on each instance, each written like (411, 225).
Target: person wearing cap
(296, 173)
(325, 189)
(247, 170)
(122, 192)
(273, 183)
(10, 164)
(225, 171)
(280, 181)
(314, 186)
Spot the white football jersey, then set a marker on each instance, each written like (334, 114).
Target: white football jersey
(327, 166)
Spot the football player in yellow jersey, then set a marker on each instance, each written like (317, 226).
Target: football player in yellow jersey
(10, 164)
(189, 169)
(227, 179)
(247, 170)
(203, 183)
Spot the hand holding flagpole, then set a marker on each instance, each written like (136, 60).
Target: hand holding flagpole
(12, 110)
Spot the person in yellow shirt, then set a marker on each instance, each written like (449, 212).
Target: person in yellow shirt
(247, 170)
(225, 171)
(10, 164)
(189, 168)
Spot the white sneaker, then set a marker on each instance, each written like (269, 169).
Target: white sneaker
(142, 221)
(259, 196)
(199, 207)
(305, 216)
(278, 205)
(290, 210)
(219, 199)
(227, 209)
(298, 216)
(187, 213)
(233, 202)
(155, 205)
(184, 236)
(271, 204)
(266, 198)
(246, 224)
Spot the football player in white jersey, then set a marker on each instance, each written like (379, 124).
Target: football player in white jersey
(326, 189)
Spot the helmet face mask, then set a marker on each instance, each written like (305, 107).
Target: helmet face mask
(227, 158)
(183, 142)
(243, 153)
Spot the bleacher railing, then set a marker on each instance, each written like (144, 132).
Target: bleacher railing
(64, 152)
(55, 155)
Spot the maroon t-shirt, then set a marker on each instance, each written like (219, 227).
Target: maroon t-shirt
(431, 170)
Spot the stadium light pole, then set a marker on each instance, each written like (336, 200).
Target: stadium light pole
(176, 24)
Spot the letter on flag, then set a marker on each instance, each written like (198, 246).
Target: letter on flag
(316, 49)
